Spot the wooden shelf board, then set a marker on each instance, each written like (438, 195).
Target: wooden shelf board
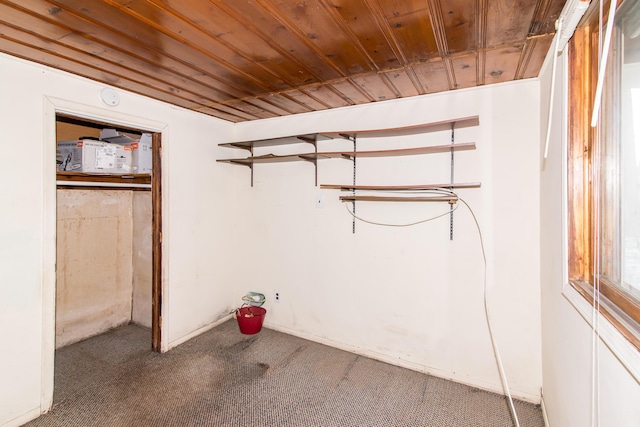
(410, 130)
(88, 177)
(346, 187)
(271, 158)
(373, 133)
(464, 146)
(309, 138)
(399, 198)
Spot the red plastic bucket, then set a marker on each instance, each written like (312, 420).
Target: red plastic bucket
(250, 319)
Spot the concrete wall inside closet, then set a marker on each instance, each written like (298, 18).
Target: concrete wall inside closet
(104, 255)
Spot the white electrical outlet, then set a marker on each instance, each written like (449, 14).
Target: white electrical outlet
(319, 201)
(277, 296)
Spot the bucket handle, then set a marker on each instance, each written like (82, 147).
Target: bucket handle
(237, 310)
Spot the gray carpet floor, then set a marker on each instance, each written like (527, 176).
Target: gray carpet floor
(224, 378)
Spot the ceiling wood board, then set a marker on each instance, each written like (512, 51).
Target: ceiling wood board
(465, 70)
(249, 60)
(532, 58)
(433, 76)
(405, 82)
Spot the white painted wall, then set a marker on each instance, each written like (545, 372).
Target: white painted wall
(409, 296)
(198, 227)
(567, 336)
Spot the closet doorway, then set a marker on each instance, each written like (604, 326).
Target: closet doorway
(108, 247)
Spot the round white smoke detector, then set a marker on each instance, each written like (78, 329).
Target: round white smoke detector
(110, 97)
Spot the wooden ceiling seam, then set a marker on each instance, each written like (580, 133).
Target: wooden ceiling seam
(186, 42)
(143, 78)
(482, 10)
(256, 59)
(127, 85)
(220, 41)
(339, 22)
(260, 34)
(437, 22)
(540, 13)
(305, 40)
(97, 24)
(385, 80)
(302, 37)
(387, 33)
(274, 45)
(240, 53)
(271, 105)
(451, 56)
(275, 14)
(332, 82)
(527, 51)
(351, 84)
(224, 105)
(288, 93)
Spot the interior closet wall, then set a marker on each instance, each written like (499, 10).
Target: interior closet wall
(103, 256)
(94, 254)
(142, 257)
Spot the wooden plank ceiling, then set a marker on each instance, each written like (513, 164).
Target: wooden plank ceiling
(250, 59)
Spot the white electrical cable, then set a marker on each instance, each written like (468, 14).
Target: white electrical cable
(603, 63)
(553, 86)
(397, 225)
(494, 344)
(595, 314)
(496, 351)
(595, 179)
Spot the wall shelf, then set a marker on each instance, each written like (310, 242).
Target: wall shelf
(310, 138)
(313, 157)
(79, 179)
(314, 138)
(450, 199)
(272, 158)
(417, 187)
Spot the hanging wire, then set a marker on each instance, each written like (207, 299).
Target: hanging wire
(438, 191)
(595, 179)
(494, 343)
(398, 225)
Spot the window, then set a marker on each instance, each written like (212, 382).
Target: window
(604, 167)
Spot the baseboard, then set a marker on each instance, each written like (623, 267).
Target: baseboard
(197, 332)
(544, 411)
(23, 419)
(516, 394)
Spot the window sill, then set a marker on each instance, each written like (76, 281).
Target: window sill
(623, 349)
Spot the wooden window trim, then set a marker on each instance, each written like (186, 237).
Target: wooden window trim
(626, 325)
(579, 170)
(615, 305)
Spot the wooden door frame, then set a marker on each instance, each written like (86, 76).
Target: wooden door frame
(52, 107)
(156, 231)
(156, 279)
